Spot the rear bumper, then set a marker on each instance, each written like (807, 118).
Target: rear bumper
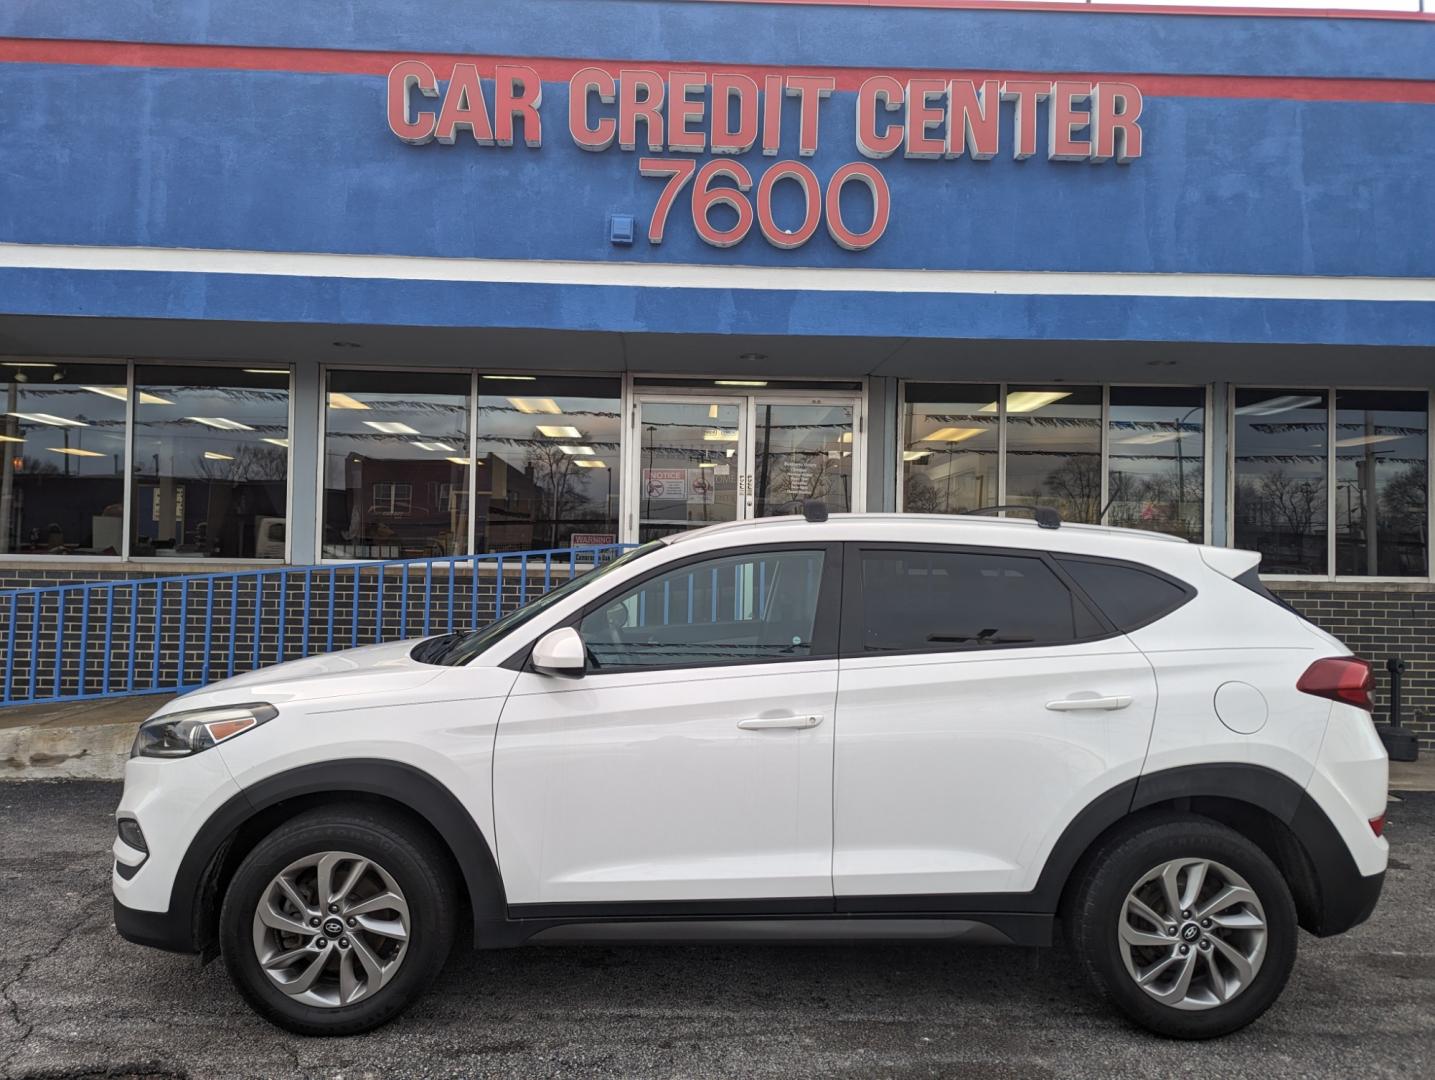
(1346, 904)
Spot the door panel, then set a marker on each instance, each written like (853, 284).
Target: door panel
(641, 785)
(953, 775)
(802, 451)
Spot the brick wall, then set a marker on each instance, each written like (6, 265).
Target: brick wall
(1378, 622)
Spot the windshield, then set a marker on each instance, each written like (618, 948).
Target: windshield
(454, 650)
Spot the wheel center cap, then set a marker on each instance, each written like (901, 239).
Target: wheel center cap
(1190, 932)
(333, 927)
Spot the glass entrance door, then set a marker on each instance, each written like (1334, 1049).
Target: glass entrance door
(699, 460)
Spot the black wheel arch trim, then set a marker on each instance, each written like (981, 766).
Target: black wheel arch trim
(186, 926)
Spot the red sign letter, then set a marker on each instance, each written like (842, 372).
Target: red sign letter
(464, 108)
(1026, 95)
(407, 74)
(517, 92)
(682, 108)
(885, 91)
(809, 90)
(974, 122)
(591, 80)
(921, 116)
(1062, 118)
(632, 108)
(726, 140)
(1115, 108)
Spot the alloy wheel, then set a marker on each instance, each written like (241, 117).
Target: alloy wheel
(1192, 933)
(331, 929)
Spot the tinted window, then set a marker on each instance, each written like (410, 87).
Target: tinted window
(1126, 595)
(741, 608)
(916, 600)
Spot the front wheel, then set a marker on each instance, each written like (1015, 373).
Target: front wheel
(1185, 925)
(338, 920)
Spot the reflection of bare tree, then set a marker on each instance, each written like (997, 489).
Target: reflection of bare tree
(248, 463)
(1289, 501)
(922, 497)
(1076, 485)
(1402, 502)
(555, 477)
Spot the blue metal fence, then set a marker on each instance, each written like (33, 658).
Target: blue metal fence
(84, 640)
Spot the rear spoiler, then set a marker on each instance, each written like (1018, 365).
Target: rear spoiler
(1230, 562)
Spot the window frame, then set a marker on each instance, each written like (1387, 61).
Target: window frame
(183, 564)
(898, 439)
(826, 623)
(1331, 390)
(854, 607)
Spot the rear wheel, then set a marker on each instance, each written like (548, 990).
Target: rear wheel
(1185, 925)
(338, 920)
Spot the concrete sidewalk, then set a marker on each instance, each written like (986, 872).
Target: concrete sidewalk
(91, 740)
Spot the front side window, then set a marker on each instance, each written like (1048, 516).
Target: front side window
(737, 609)
(933, 600)
(1381, 486)
(1279, 490)
(548, 464)
(396, 447)
(211, 462)
(62, 434)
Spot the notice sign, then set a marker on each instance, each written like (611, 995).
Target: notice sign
(667, 484)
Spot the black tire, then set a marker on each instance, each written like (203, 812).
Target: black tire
(1094, 912)
(406, 851)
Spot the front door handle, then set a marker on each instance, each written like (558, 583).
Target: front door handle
(767, 723)
(1107, 703)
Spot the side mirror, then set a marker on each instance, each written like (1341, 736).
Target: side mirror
(560, 652)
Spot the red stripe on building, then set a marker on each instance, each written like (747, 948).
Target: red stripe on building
(551, 69)
(1078, 8)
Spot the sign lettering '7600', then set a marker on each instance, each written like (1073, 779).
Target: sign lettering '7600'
(691, 113)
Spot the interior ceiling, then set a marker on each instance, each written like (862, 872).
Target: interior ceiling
(718, 354)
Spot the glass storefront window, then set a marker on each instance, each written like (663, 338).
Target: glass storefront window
(211, 462)
(1156, 459)
(395, 464)
(802, 451)
(1054, 449)
(949, 448)
(1382, 519)
(62, 434)
(1279, 483)
(548, 462)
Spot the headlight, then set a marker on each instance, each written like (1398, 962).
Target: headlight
(180, 734)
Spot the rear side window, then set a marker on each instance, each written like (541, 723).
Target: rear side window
(1127, 595)
(926, 600)
(1251, 579)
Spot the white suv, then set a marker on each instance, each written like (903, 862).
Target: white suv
(952, 728)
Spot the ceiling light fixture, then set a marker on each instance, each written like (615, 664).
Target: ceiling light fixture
(458, 460)
(509, 378)
(47, 418)
(23, 363)
(210, 455)
(1281, 403)
(739, 382)
(73, 451)
(344, 401)
(535, 405)
(955, 434)
(586, 463)
(574, 451)
(1024, 401)
(266, 371)
(390, 427)
(120, 393)
(436, 447)
(559, 431)
(223, 423)
(1366, 440)
(277, 442)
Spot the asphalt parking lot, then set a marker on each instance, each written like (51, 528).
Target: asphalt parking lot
(79, 1001)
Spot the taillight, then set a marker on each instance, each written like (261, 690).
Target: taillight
(1377, 825)
(1340, 678)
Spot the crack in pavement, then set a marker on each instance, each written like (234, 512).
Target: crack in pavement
(26, 1028)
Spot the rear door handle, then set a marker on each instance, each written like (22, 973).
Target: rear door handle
(1108, 703)
(767, 723)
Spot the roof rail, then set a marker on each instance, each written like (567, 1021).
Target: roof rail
(1045, 516)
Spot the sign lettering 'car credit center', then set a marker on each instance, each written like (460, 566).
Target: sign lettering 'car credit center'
(726, 114)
